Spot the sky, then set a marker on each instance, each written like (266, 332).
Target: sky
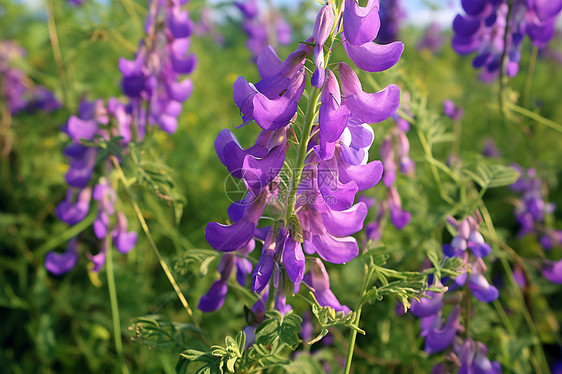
(418, 11)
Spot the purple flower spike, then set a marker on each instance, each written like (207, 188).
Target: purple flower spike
(552, 270)
(373, 57)
(367, 107)
(317, 278)
(361, 24)
(62, 263)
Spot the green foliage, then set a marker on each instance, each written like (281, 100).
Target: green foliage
(328, 317)
(273, 336)
(489, 175)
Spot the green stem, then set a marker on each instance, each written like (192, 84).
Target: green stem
(539, 352)
(467, 308)
(502, 61)
(530, 73)
(144, 226)
(353, 336)
(55, 45)
(301, 155)
(429, 156)
(114, 304)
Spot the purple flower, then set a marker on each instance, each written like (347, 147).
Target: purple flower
(322, 30)
(62, 263)
(452, 111)
(367, 107)
(472, 356)
(227, 238)
(439, 336)
(318, 280)
(552, 270)
(75, 207)
(214, 298)
(123, 240)
(483, 30)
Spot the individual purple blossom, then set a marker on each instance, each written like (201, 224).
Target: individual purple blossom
(452, 111)
(75, 207)
(230, 262)
(61, 263)
(123, 240)
(473, 358)
(490, 148)
(318, 280)
(322, 30)
(438, 335)
(552, 270)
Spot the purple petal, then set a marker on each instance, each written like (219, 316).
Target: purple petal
(333, 116)
(552, 270)
(335, 250)
(259, 172)
(323, 24)
(427, 306)
(439, 339)
(346, 222)
(180, 91)
(367, 107)
(373, 57)
(80, 129)
(184, 65)
(228, 238)
(179, 24)
(214, 298)
(481, 289)
(366, 176)
(293, 259)
(361, 24)
(61, 263)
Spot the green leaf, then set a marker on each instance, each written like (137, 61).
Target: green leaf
(285, 328)
(211, 364)
(328, 317)
(489, 175)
